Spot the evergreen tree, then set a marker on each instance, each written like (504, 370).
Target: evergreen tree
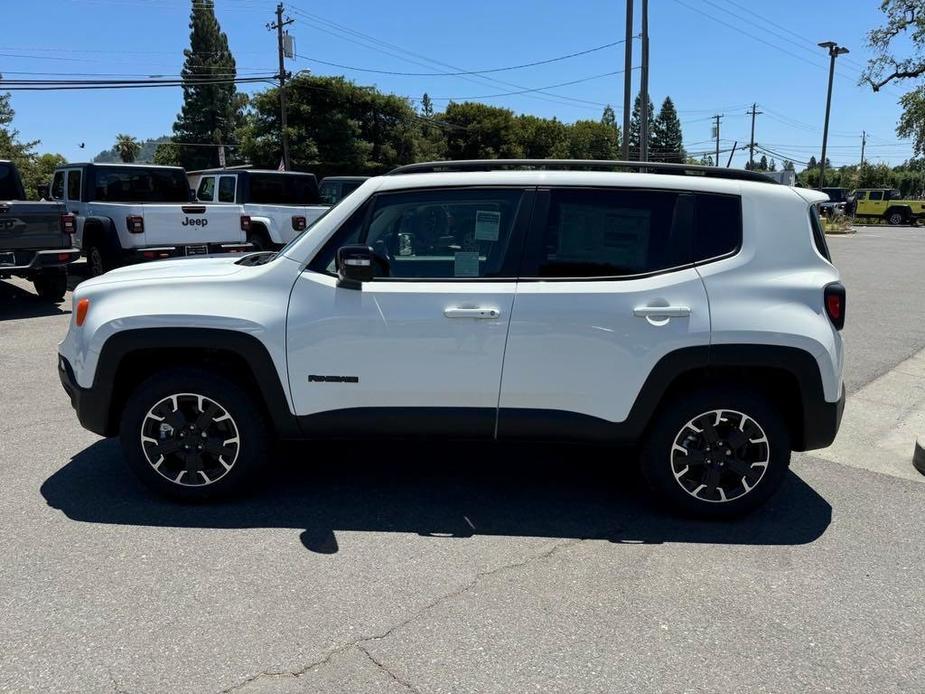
(210, 112)
(427, 106)
(762, 163)
(635, 122)
(772, 165)
(812, 163)
(788, 165)
(667, 137)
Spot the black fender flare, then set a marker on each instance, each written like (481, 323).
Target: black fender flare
(98, 401)
(109, 235)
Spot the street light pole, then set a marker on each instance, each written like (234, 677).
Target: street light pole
(834, 51)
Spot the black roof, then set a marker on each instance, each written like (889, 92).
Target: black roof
(234, 170)
(582, 165)
(345, 178)
(116, 165)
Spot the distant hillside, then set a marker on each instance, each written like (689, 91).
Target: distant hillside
(146, 156)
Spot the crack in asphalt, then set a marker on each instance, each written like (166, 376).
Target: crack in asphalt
(358, 642)
(407, 685)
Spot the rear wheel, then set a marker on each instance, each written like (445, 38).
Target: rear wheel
(260, 240)
(717, 453)
(97, 263)
(51, 284)
(896, 218)
(192, 434)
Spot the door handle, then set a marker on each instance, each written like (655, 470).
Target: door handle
(457, 312)
(661, 311)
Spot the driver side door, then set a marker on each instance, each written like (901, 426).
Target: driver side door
(419, 349)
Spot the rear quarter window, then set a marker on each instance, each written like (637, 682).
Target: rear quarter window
(717, 226)
(818, 234)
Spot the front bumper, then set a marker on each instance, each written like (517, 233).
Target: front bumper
(821, 421)
(24, 261)
(92, 409)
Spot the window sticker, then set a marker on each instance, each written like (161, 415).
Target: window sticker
(487, 225)
(466, 264)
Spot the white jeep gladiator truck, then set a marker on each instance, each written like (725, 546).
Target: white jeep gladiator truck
(276, 206)
(690, 313)
(129, 213)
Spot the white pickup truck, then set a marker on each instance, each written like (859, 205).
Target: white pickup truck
(129, 213)
(276, 206)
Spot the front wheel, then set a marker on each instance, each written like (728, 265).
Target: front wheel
(192, 434)
(717, 453)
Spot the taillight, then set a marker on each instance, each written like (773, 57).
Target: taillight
(136, 224)
(68, 224)
(64, 257)
(245, 223)
(298, 223)
(835, 297)
(80, 315)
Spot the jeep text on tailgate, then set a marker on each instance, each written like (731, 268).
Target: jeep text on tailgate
(128, 213)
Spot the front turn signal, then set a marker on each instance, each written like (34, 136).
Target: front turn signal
(83, 306)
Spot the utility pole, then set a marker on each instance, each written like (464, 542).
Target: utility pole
(834, 51)
(716, 118)
(280, 23)
(863, 145)
(644, 87)
(627, 79)
(751, 149)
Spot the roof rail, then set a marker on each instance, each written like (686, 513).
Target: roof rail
(581, 165)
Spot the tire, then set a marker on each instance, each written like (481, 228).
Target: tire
(228, 436)
(725, 486)
(896, 218)
(97, 261)
(51, 285)
(259, 239)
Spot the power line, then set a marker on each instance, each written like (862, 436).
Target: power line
(528, 90)
(464, 72)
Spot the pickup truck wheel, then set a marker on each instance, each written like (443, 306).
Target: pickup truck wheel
(96, 261)
(51, 285)
(896, 218)
(717, 453)
(259, 241)
(193, 435)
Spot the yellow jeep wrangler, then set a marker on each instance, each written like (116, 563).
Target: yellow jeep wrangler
(886, 204)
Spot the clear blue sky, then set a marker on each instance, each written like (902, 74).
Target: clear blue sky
(710, 56)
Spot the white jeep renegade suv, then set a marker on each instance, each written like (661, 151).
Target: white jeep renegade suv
(690, 310)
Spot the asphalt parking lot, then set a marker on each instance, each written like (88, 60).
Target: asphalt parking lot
(468, 569)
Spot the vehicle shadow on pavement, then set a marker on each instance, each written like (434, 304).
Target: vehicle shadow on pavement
(16, 303)
(461, 490)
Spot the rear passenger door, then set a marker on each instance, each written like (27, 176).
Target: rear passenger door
(608, 288)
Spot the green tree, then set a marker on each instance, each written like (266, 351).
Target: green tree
(210, 112)
(899, 56)
(788, 165)
(480, 131)
(335, 126)
(812, 163)
(34, 169)
(635, 123)
(590, 139)
(667, 140)
(542, 138)
(762, 164)
(127, 147)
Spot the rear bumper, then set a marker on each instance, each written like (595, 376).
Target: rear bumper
(140, 255)
(821, 421)
(25, 261)
(92, 410)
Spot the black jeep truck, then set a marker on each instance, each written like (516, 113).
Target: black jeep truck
(36, 238)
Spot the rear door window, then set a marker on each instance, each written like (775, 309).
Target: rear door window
(226, 186)
(206, 192)
(73, 184)
(57, 186)
(608, 233)
(876, 195)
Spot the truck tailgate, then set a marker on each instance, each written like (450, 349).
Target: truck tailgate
(32, 225)
(173, 224)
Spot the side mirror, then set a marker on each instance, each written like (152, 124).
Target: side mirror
(43, 191)
(355, 265)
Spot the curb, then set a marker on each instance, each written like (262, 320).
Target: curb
(918, 457)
